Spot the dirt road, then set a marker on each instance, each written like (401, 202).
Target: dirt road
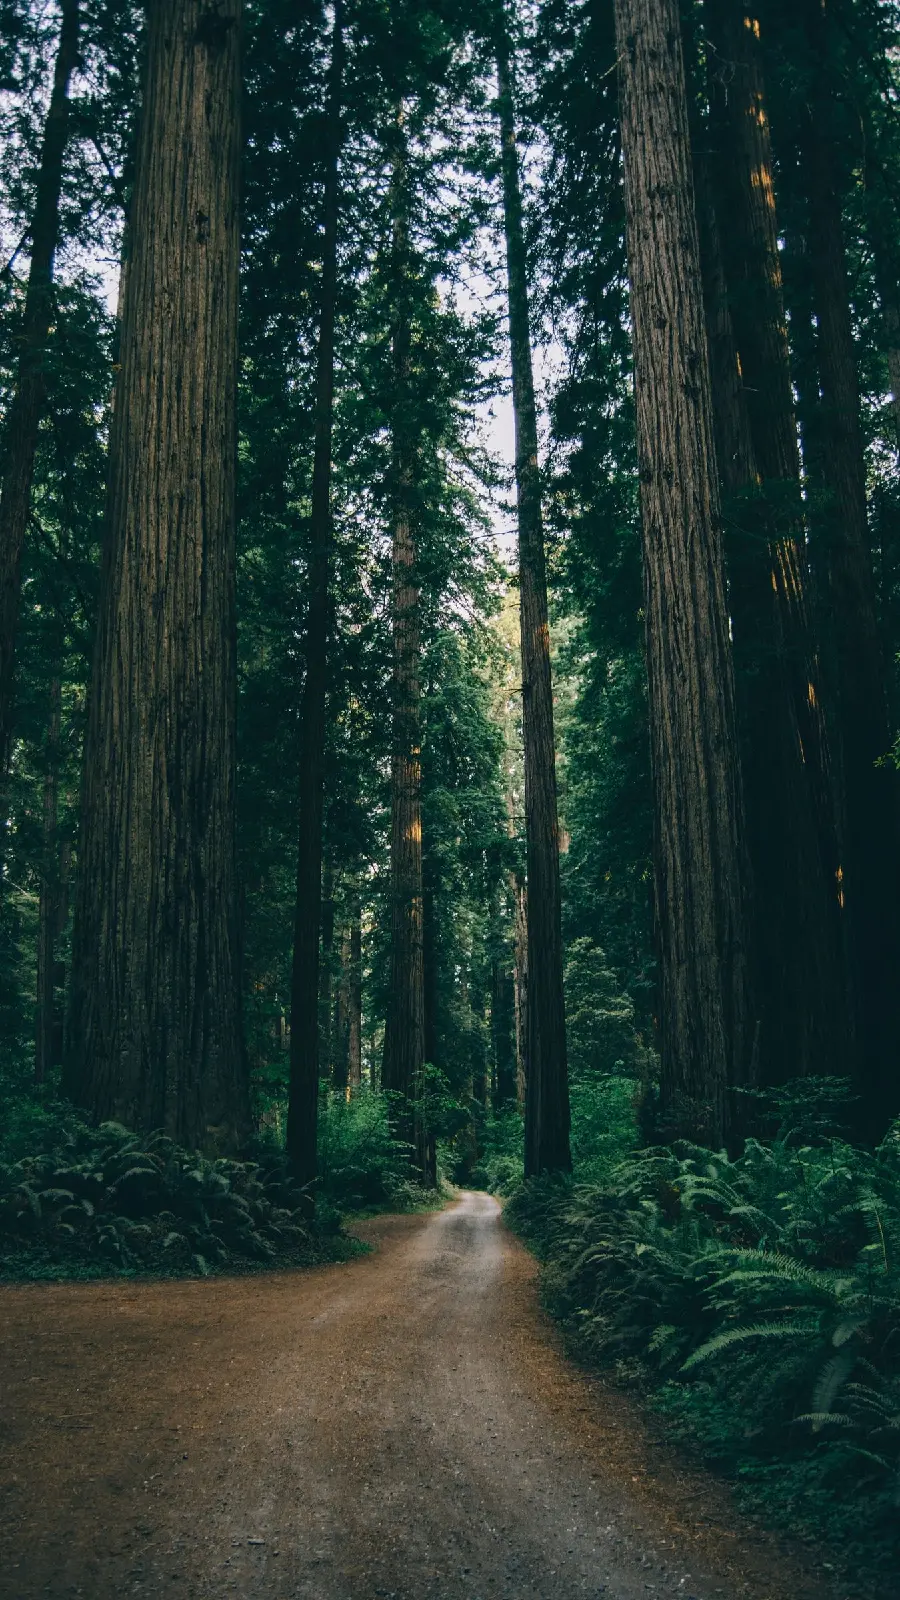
(402, 1426)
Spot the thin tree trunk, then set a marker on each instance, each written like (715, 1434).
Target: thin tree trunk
(480, 1073)
(520, 980)
(304, 1082)
(430, 964)
(503, 1035)
(29, 397)
(546, 1075)
(341, 1047)
(58, 1032)
(871, 792)
(354, 1039)
(49, 900)
(404, 1041)
(799, 981)
(886, 508)
(699, 859)
(155, 1021)
(426, 1138)
(889, 294)
(326, 1017)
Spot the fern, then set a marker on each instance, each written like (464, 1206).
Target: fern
(756, 1330)
(134, 1203)
(759, 1297)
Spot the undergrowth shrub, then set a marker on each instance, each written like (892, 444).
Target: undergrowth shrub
(759, 1300)
(498, 1167)
(90, 1201)
(362, 1166)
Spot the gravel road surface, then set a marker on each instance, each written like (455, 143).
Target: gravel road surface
(402, 1426)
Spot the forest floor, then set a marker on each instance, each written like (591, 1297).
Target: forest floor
(404, 1425)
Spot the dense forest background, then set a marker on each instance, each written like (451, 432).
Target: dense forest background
(466, 441)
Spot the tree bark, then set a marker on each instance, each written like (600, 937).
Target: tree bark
(800, 984)
(870, 880)
(520, 980)
(51, 903)
(304, 1082)
(503, 1035)
(890, 311)
(699, 856)
(155, 1021)
(430, 969)
(404, 1041)
(340, 1072)
(29, 397)
(325, 943)
(546, 1075)
(354, 1039)
(478, 1077)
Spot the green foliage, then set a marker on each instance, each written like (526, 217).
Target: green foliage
(604, 1132)
(77, 1201)
(499, 1166)
(604, 1124)
(759, 1299)
(362, 1166)
(443, 1115)
(599, 1016)
(97, 1201)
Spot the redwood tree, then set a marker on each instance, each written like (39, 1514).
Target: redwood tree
(27, 407)
(870, 871)
(52, 908)
(700, 871)
(546, 1075)
(155, 1019)
(404, 1040)
(354, 1003)
(799, 975)
(304, 1085)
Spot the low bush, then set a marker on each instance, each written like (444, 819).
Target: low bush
(758, 1300)
(82, 1201)
(362, 1166)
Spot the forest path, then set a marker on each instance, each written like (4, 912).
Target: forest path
(404, 1425)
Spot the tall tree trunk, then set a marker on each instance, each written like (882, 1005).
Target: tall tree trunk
(404, 1041)
(480, 1075)
(699, 856)
(889, 293)
(503, 1035)
(871, 793)
(354, 1038)
(404, 1045)
(520, 979)
(340, 1070)
(546, 1075)
(430, 965)
(886, 507)
(155, 1021)
(304, 1081)
(50, 904)
(326, 976)
(29, 397)
(799, 981)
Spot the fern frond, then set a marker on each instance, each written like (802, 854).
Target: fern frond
(831, 1380)
(756, 1330)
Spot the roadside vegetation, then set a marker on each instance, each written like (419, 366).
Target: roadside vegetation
(91, 1202)
(754, 1302)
